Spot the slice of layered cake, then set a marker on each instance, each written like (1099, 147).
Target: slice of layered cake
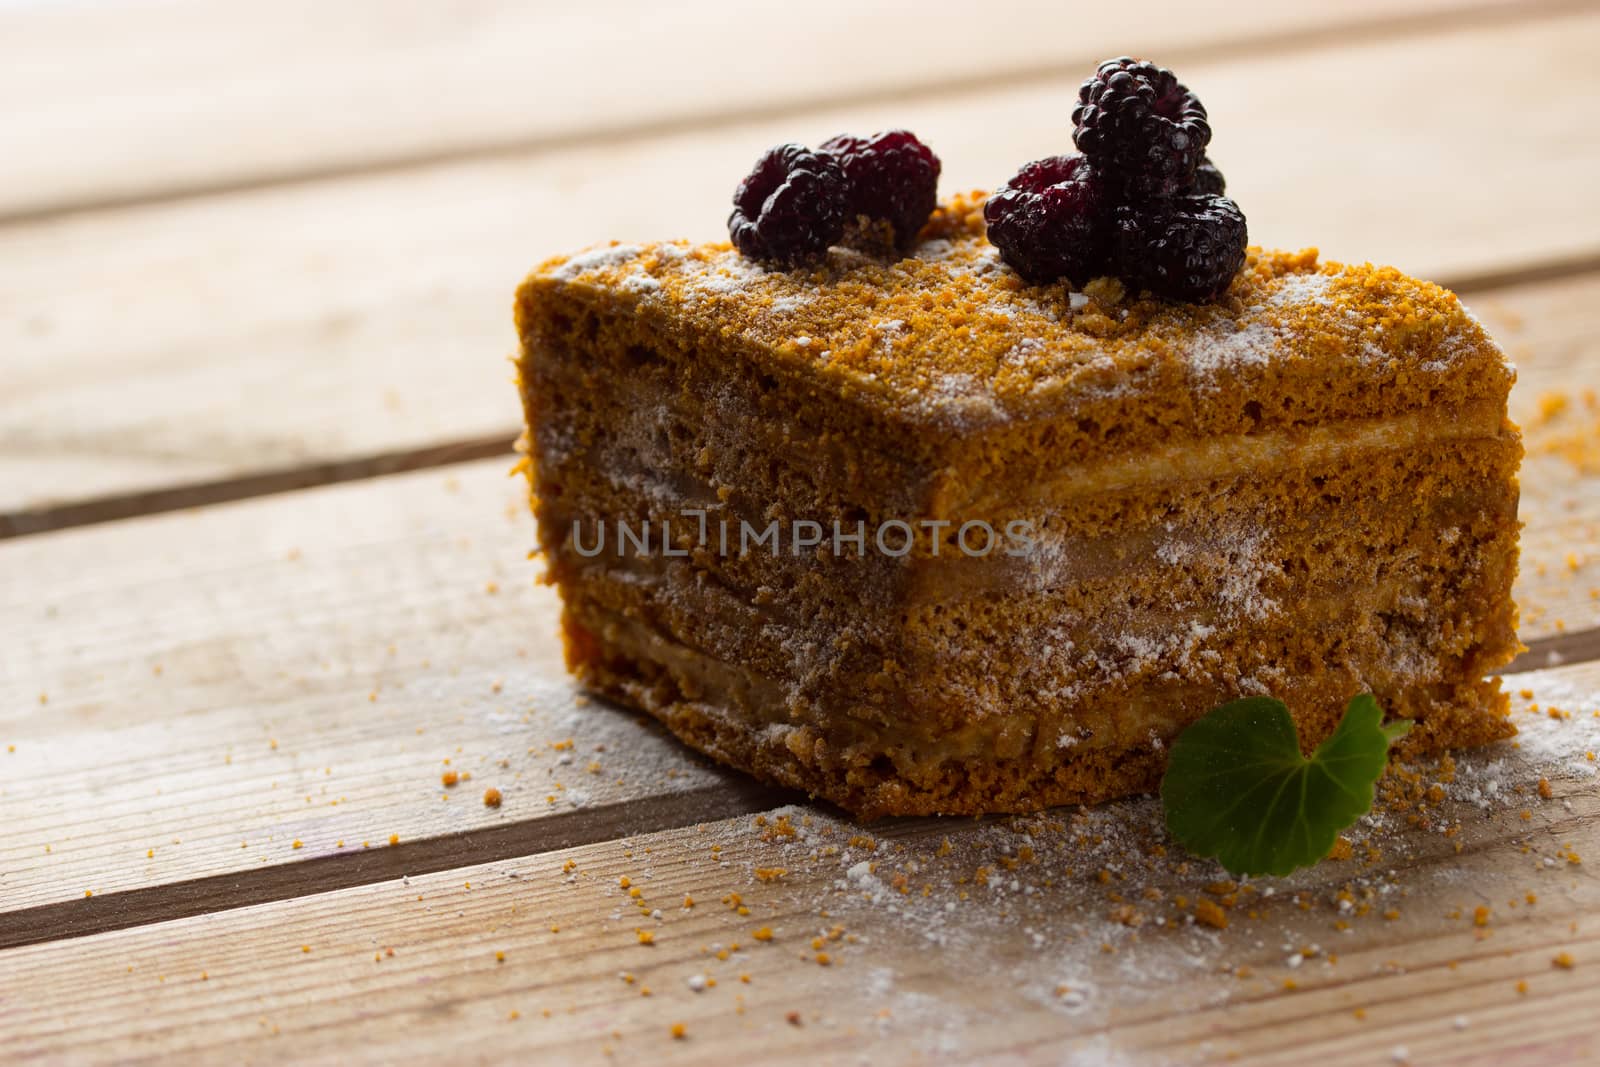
(917, 537)
(979, 514)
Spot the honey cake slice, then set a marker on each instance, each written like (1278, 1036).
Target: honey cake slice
(1306, 488)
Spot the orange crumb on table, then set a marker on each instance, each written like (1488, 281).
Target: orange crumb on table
(1551, 404)
(646, 937)
(679, 1031)
(1522, 987)
(449, 778)
(297, 844)
(1211, 914)
(491, 797)
(499, 957)
(1480, 915)
(1564, 961)
(763, 934)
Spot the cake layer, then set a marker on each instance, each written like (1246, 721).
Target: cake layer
(949, 341)
(1088, 531)
(992, 764)
(664, 438)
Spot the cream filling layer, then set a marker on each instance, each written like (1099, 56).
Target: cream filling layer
(1325, 445)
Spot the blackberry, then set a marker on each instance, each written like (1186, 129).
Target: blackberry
(1051, 221)
(894, 179)
(1135, 121)
(1208, 180)
(1180, 247)
(791, 207)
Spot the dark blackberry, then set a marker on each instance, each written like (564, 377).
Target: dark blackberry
(894, 179)
(1180, 247)
(1208, 180)
(791, 207)
(1140, 126)
(1051, 221)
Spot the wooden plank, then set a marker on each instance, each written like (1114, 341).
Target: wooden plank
(135, 100)
(214, 339)
(290, 679)
(945, 940)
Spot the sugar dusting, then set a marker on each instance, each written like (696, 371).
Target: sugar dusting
(1230, 346)
(990, 350)
(596, 259)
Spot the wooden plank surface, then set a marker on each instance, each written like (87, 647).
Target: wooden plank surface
(1461, 929)
(218, 338)
(289, 679)
(1548, 329)
(136, 100)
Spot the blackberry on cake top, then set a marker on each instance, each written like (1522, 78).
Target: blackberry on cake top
(790, 207)
(1143, 201)
(1050, 221)
(893, 182)
(1179, 247)
(1142, 126)
(878, 191)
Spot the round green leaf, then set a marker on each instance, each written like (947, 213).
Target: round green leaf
(1238, 789)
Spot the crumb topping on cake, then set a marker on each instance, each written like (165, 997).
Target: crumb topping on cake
(951, 330)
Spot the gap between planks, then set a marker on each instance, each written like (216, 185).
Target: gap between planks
(264, 483)
(735, 795)
(1286, 41)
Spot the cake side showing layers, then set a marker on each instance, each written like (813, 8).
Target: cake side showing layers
(1310, 491)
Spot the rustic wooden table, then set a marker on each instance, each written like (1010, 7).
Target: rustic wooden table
(264, 578)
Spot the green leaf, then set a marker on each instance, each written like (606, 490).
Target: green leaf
(1238, 789)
